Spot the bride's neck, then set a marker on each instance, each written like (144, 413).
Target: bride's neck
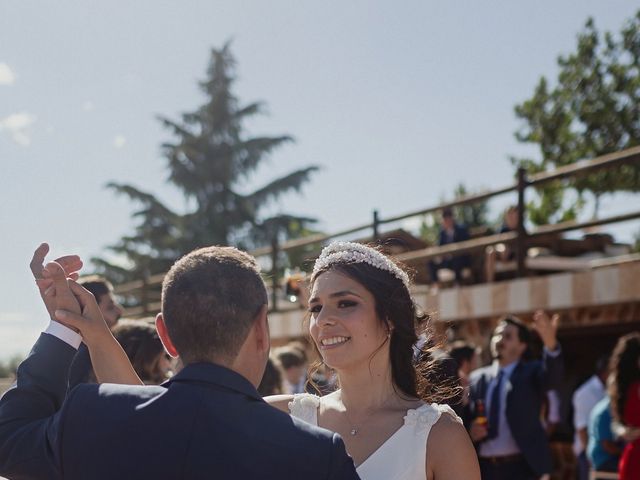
(367, 387)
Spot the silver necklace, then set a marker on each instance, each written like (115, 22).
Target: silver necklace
(354, 428)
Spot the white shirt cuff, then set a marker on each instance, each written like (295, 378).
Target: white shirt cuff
(553, 353)
(65, 334)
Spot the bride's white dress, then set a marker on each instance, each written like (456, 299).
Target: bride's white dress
(403, 455)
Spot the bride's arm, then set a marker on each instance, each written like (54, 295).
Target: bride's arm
(76, 307)
(281, 402)
(450, 453)
(110, 362)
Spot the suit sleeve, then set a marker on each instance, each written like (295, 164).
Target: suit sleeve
(341, 465)
(552, 373)
(30, 415)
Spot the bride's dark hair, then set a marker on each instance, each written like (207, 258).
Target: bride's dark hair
(414, 372)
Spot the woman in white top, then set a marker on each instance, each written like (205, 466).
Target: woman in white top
(363, 323)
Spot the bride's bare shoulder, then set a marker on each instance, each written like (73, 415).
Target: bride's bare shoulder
(281, 402)
(449, 435)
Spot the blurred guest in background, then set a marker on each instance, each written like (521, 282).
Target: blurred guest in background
(141, 343)
(624, 392)
(501, 252)
(294, 363)
(506, 398)
(584, 399)
(450, 232)
(603, 449)
(271, 383)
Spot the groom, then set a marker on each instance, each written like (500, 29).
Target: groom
(206, 422)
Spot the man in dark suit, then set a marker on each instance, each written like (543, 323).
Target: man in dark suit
(206, 422)
(509, 436)
(450, 232)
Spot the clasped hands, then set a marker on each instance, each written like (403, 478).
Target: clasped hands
(66, 301)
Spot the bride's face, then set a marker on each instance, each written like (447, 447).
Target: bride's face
(344, 324)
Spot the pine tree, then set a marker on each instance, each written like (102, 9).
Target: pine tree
(211, 161)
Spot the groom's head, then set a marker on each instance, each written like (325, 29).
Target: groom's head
(214, 309)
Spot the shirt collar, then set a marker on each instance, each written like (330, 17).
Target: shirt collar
(215, 374)
(507, 370)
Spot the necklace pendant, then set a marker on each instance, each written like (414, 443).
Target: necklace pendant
(354, 431)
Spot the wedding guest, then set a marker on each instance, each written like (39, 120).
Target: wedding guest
(506, 398)
(450, 232)
(293, 363)
(584, 399)
(603, 449)
(624, 391)
(141, 343)
(465, 357)
(271, 383)
(502, 252)
(206, 421)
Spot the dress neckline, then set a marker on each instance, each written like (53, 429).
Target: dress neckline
(411, 412)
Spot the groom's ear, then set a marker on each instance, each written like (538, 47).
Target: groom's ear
(161, 327)
(263, 342)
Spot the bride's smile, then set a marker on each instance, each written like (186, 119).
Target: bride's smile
(344, 324)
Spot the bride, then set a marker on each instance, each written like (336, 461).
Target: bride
(363, 322)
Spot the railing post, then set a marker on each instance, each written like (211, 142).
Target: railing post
(274, 273)
(376, 225)
(521, 240)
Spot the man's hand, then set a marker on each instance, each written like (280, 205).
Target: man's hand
(59, 296)
(70, 265)
(547, 328)
(629, 434)
(85, 316)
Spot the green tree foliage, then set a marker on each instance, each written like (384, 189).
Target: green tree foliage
(473, 214)
(593, 109)
(211, 161)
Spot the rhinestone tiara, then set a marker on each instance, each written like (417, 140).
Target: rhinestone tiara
(349, 252)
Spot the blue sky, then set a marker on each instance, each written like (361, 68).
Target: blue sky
(396, 101)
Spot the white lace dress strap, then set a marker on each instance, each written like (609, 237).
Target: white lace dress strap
(305, 407)
(404, 455)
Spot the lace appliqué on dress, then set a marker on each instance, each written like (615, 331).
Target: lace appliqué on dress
(305, 407)
(426, 416)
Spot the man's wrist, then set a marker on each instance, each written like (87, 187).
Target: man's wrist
(64, 333)
(552, 349)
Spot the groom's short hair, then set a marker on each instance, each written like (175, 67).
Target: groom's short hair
(210, 299)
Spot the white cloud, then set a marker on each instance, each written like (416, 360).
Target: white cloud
(7, 77)
(119, 141)
(18, 126)
(88, 106)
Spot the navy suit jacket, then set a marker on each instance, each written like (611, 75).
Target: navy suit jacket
(460, 233)
(526, 389)
(206, 422)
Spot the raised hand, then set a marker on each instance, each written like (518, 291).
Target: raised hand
(110, 362)
(86, 318)
(58, 296)
(69, 263)
(547, 328)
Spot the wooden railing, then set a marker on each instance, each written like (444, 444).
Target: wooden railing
(143, 288)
